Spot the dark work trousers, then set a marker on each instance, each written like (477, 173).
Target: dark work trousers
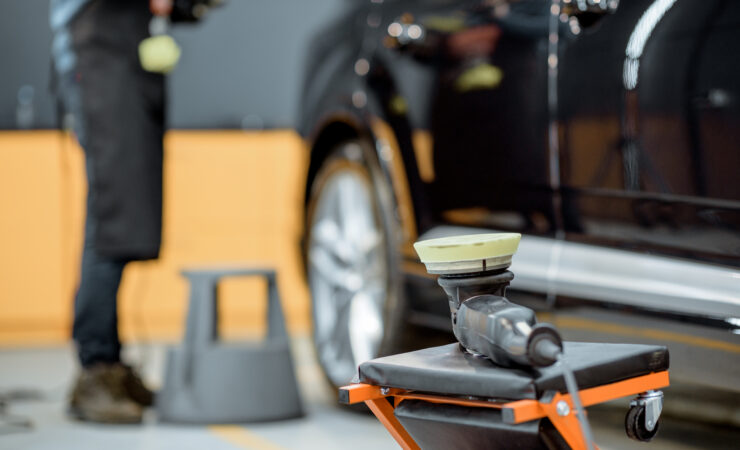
(117, 111)
(95, 328)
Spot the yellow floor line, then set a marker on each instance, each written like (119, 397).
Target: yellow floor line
(242, 437)
(604, 327)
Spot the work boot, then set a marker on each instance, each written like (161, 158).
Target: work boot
(135, 387)
(100, 395)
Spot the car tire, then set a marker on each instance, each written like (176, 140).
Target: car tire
(352, 262)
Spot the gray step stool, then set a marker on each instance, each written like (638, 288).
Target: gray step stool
(208, 381)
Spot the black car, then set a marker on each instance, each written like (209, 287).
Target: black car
(606, 132)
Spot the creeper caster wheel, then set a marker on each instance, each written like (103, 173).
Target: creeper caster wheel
(643, 418)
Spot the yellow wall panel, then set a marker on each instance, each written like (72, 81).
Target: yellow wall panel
(32, 241)
(230, 197)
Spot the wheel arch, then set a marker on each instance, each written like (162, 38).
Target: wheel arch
(333, 131)
(383, 138)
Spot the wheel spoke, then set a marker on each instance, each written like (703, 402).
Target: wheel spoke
(340, 332)
(333, 273)
(371, 241)
(328, 235)
(365, 328)
(343, 203)
(339, 350)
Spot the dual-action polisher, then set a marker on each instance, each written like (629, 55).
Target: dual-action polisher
(473, 272)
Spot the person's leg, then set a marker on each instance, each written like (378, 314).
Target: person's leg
(95, 328)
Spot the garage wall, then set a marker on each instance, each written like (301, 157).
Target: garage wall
(25, 40)
(244, 65)
(39, 213)
(244, 61)
(230, 197)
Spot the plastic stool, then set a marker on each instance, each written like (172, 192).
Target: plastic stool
(208, 381)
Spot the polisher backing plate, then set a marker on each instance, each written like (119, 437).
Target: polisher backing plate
(468, 253)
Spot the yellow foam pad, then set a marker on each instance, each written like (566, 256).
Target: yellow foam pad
(467, 247)
(159, 53)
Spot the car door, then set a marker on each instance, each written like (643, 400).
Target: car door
(470, 82)
(476, 87)
(648, 151)
(649, 146)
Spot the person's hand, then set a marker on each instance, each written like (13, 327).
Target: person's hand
(160, 7)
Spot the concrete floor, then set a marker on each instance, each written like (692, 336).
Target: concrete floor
(40, 377)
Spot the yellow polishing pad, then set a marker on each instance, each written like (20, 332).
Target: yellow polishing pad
(159, 53)
(468, 253)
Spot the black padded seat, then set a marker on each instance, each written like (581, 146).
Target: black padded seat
(449, 370)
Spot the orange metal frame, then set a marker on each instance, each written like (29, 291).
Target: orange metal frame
(377, 399)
